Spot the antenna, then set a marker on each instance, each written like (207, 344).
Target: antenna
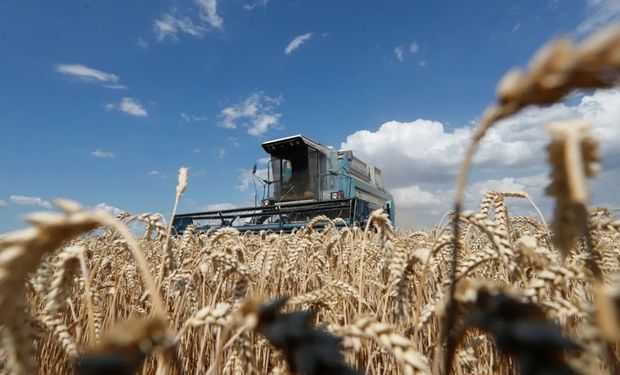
(266, 183)
(254, 182)
(269, 178)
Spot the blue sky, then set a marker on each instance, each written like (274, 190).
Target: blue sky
(101, 102)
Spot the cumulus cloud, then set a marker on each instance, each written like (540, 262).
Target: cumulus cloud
(297, 42)
(142, 43)
(414, 197)
(606, 182)
(208, 13)
(600, 13)
(87, 74)
(173, 23)
(109, 209)
(256, 113)
(223, 206)
(169, 25)
(192, 118)
(132, 107)
(419, 207)
(430, 150)
(220, 206)
(234, 141)
(128, 105)
(251, 5)
(420, 159)
(424, 148)
(116, 87)
(3, 203)
(23, 200)
(99, 153)
(399, 52)
(246, 179)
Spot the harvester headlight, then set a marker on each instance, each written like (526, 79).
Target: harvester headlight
(337, 195)
(265, 202)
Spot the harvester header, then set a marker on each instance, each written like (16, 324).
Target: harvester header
(304, 179)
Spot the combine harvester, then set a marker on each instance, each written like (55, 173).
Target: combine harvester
(304, 179)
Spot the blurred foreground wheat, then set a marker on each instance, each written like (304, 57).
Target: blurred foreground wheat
(382, 291)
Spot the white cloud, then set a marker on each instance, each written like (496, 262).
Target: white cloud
(246, 179)
(220, 152)
(196, 150)
(142, 43)
(606, 182)
(132, 107)
(399, 52)
(192, 118)
(430, 150)
(3, 203)
(600, 13)
(128, 105)
(225, 206)
(420, 159)
(257, 113)
(153, 173)
(109, 209)
(116, 87)
(480, 188)
(23, 200)
(220, 206)
(516, 27)
(208, 13)
(234, 141)
(263, 124)
(416, 206)
(253, 4)
(197, 173)
(422, 147)
(86, 74)
(297, 42)
(99, 153)
(170, 25)
(173, 23)
(414, 197)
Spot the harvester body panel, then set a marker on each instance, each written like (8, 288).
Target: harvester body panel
(305, 179)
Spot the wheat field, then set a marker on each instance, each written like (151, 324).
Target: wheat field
(482, 292)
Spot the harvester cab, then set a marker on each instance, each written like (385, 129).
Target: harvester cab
(304, 179)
